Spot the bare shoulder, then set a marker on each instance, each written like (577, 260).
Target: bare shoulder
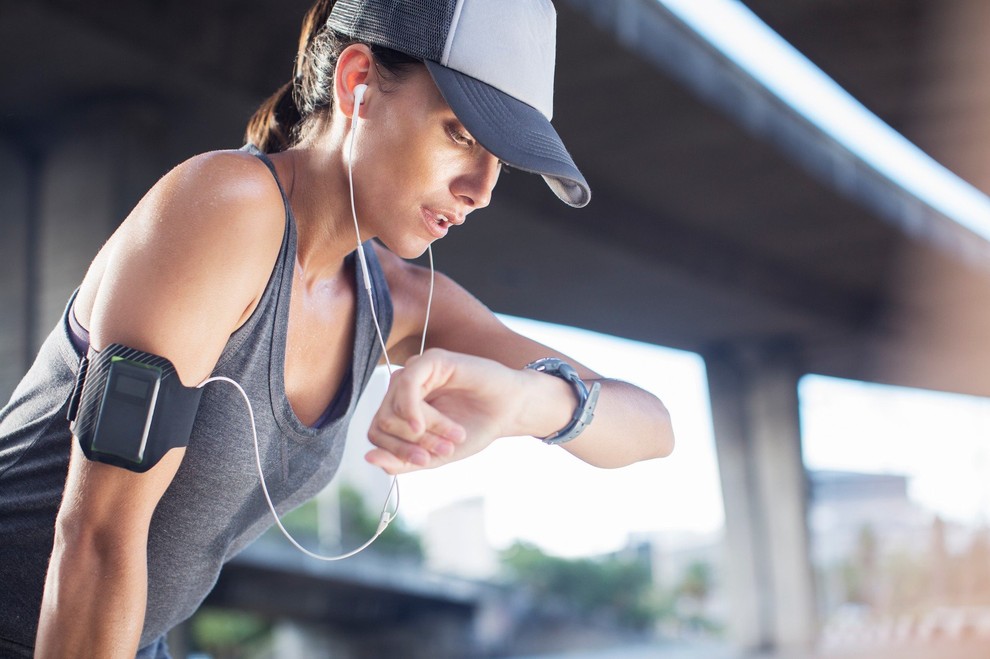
(175, 280)
(221, 190)
(410, 282)
(409, 286)
(459, 321)
(232, 172)
(189, 262)
(217, 202)
(218, 214)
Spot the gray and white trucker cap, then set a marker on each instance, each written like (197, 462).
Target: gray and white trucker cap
(493, 61)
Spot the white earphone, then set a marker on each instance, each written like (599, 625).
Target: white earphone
(359, 95)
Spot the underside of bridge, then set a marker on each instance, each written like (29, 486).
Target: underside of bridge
(721, 221)
(372, 607)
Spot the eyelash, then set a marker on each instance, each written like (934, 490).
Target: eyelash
(459, 137)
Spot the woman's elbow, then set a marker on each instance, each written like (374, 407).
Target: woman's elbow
(655, 442)
(662, 441)
(657, 436)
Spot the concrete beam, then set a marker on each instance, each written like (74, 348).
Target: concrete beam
(658, 35)
(672, 246)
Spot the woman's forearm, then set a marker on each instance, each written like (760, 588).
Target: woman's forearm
(629, 425)
(95, 597)
(445, 406)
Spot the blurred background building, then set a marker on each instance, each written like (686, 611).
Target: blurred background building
(745, 208)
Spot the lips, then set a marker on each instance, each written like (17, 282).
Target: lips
(439, 221)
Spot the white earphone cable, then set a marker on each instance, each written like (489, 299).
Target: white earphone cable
(429, 302)
(387, 515)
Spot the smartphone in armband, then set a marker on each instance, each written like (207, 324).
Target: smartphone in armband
(127, 410)
(129, 407)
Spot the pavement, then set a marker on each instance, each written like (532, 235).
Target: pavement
(927, 650)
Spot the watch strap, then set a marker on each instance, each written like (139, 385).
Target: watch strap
(584, 412)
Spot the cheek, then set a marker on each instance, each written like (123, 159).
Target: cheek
(408, 163)
(413, 169)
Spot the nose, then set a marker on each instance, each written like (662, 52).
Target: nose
(474, 187)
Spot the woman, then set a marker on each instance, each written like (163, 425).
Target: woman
(243, 265)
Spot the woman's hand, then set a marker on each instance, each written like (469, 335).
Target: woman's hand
(444, 406)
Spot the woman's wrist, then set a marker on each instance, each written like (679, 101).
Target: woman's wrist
(547, 404)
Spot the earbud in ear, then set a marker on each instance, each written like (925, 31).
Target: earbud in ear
(359, 94)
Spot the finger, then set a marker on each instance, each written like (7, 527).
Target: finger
(409, 388)
(388, 462)
(402, 449)
(392, 464)
(438, 429)
(419, 451)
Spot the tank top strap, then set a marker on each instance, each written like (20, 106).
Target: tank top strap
(281, 276)
(263, 157)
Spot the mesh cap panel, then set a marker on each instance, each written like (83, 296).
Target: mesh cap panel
(414, 27)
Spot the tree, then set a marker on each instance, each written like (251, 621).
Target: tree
(612, 588)
(358, 525)
(229, 634)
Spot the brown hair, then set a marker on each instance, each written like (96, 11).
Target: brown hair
(282, 119)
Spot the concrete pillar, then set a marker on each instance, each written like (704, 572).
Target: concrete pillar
(63, 191)
(15, 267)
(91, 178)
(76, 207)
(769, 577)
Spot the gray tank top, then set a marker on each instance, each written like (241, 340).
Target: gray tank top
(214, 506)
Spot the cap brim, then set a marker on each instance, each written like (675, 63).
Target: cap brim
(513, 131)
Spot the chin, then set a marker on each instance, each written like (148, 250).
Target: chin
(408, 249)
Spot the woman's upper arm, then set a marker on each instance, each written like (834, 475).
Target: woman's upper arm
(177, 276)
(188, 261)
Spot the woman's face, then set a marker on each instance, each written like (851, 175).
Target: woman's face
(417, 171)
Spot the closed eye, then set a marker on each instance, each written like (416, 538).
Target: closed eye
(459, 136)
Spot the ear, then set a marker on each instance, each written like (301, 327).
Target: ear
(354, 67)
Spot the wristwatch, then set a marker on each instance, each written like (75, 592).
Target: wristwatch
(585, 410)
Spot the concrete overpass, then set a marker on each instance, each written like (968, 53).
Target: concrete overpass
(368, 606)
(722, 222)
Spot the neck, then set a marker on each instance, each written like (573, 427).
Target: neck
(319, 193)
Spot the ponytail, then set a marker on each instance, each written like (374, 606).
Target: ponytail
(274, 125)
(281, 120)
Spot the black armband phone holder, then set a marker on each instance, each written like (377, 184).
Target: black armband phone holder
(129, 408)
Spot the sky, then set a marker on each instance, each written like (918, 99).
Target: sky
(941, 441)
